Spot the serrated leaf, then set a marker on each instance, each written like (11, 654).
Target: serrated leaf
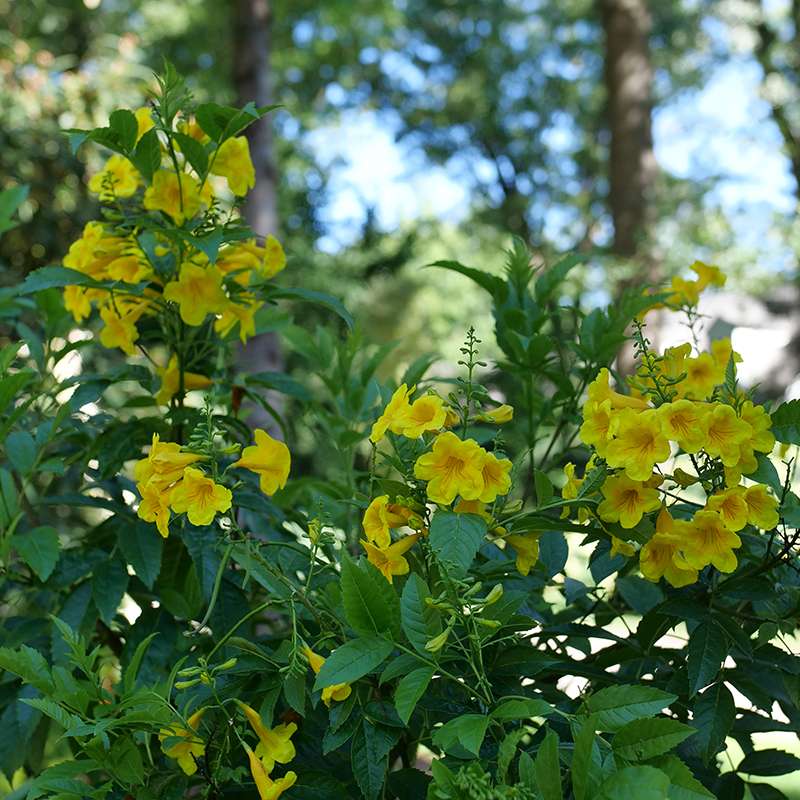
(409, 690)
(585, 768)
(708, 647)
(370, 602)
(142, 546)
(28, 664)
(551, 277)
(466, 732)
(317, 298)
(683, 785)
(147, 156)
(786, 422)
(522, 708)
(713, 715)
(490, 283)
(548, 769)
(646, 738)
(353, 660)
(616, 706)
(53, 710)
(636, 783)
(38, 549)
(109, 582)
(369, 754)
(124, 124)
(420, 622)
(769, 762)
(456, 538)
(21, 451)
(194, 151)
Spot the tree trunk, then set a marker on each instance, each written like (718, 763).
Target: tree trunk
(629, 79)
(252, 22)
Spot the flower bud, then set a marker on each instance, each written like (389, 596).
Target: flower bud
(187, 684)
(494, 595)
(229, 664)
(488, 623)
(438, 642)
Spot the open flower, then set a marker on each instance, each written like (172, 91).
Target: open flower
(391, 560)
(183, 744)
(600, 390)
(170, 381)
(426, 413)
(118, 178)
(232, 161)
(199, 497)
(154, 507)
(164, 464)
(198, 292)
(269, 459)
(684, 421)
(120, 328)
(241, 312)
(731, 506)
(274, 744)
(725, 434)
(702, 375)
(526, 546)
(335, 693)
(394, 415)
(453, 467)
(657, 558)
(761, 438)
(178, 197)
(626, 501)
(268, 789)
(376, 521)
(708, 541)
(596, 427)
(762, 507)
(639, 444)
(496, 473)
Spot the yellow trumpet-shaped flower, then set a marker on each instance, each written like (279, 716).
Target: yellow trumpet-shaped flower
(248, 260)
(600, 390)
(144, 121)
(241, 313)
(198, 292)
(199, 497)
(626, 501)
(596, 427)
(269, 459)
(170, 381)
(232, 161)
(391, 560)
(526, 546)
(499, 415)
(164, 464)
(725, 434)
(154, 507)
(496, 473)
(684, 421)
(77, 301)
(118, 178)
(708, 275)
(274, 744)
(120, 328)
(335, 693)
(183, 744)
(702, 375)
(708, 541)
(761, 438)
(268, 789)
(129, 268)
(453, 467)
(639, 444)
(394, 415)
(731, 506)
(762, 507)
(376, 521)
(177, 196)
(427, 413)
(657, 558)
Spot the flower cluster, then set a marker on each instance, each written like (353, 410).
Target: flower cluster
(148, 269)
(680, 404)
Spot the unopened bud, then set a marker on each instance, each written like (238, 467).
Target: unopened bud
(438, 642)
(488, 623)
(187, 684)
(189, 672)
(494, 595)
(229, 664)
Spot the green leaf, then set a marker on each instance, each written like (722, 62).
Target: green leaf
(312, 296)
(786, 422)
(126, 761)
(55, 277)
(547, 768)
(456, 538)
(39, 549)
(294, 690)
(420, 622)
(194, 151)
(369, 754)
(53, 710)
(465, 732)
(683, 785)
(132, 670)
(353, 660)
(28, 664)
(616, 706)
(10, 200)
(707, 649)
(490, 283)
(147, 156)
(12, 385)
(636, 783)
(641, 595)
(527, 773)
(370, 603)
(124, 124)
(647, 738)
(769, 762)
(550, 278)
(766, 473)
(713, 715)
(544, 488)
(109, 582)
(21, 451)
(8, 497)
(142, 546)
(585, 767)
(522, 708)
(409, 690)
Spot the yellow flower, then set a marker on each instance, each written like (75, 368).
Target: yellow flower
(639, 444)
(273, 259)
(708, 275)
(394, 415)
(496, 478)
(426, 413)
(472, 507)
(702, 375)
(232, 161)
(721, 352)
(451, 418)
(762, 507)
(269, 459)
(189, 746)
(164, 464)
(268, 789)
(77, 302)
(761, 438)
(725, 434)
(684, 421)
(154, 507)
(274, 744)
(144, 121)
(198, 291)
(247, 258)
(731, 506)
(453, 467)
(120, 330)
(499, 415)
(527, 548)
(242, 313)
(657, 557)
(625, 501)
(118, 178)
(376, 521)
(180, 199)
(596, 428)
(337, 692)
(599, 390)
(391, 560)
(170, 381)
(684, 293)
(708, 541)
(619, 547)
(130, 268)
(199, 497)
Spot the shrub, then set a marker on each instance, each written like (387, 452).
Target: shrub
(421, 614)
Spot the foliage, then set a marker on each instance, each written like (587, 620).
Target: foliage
(190, 608)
